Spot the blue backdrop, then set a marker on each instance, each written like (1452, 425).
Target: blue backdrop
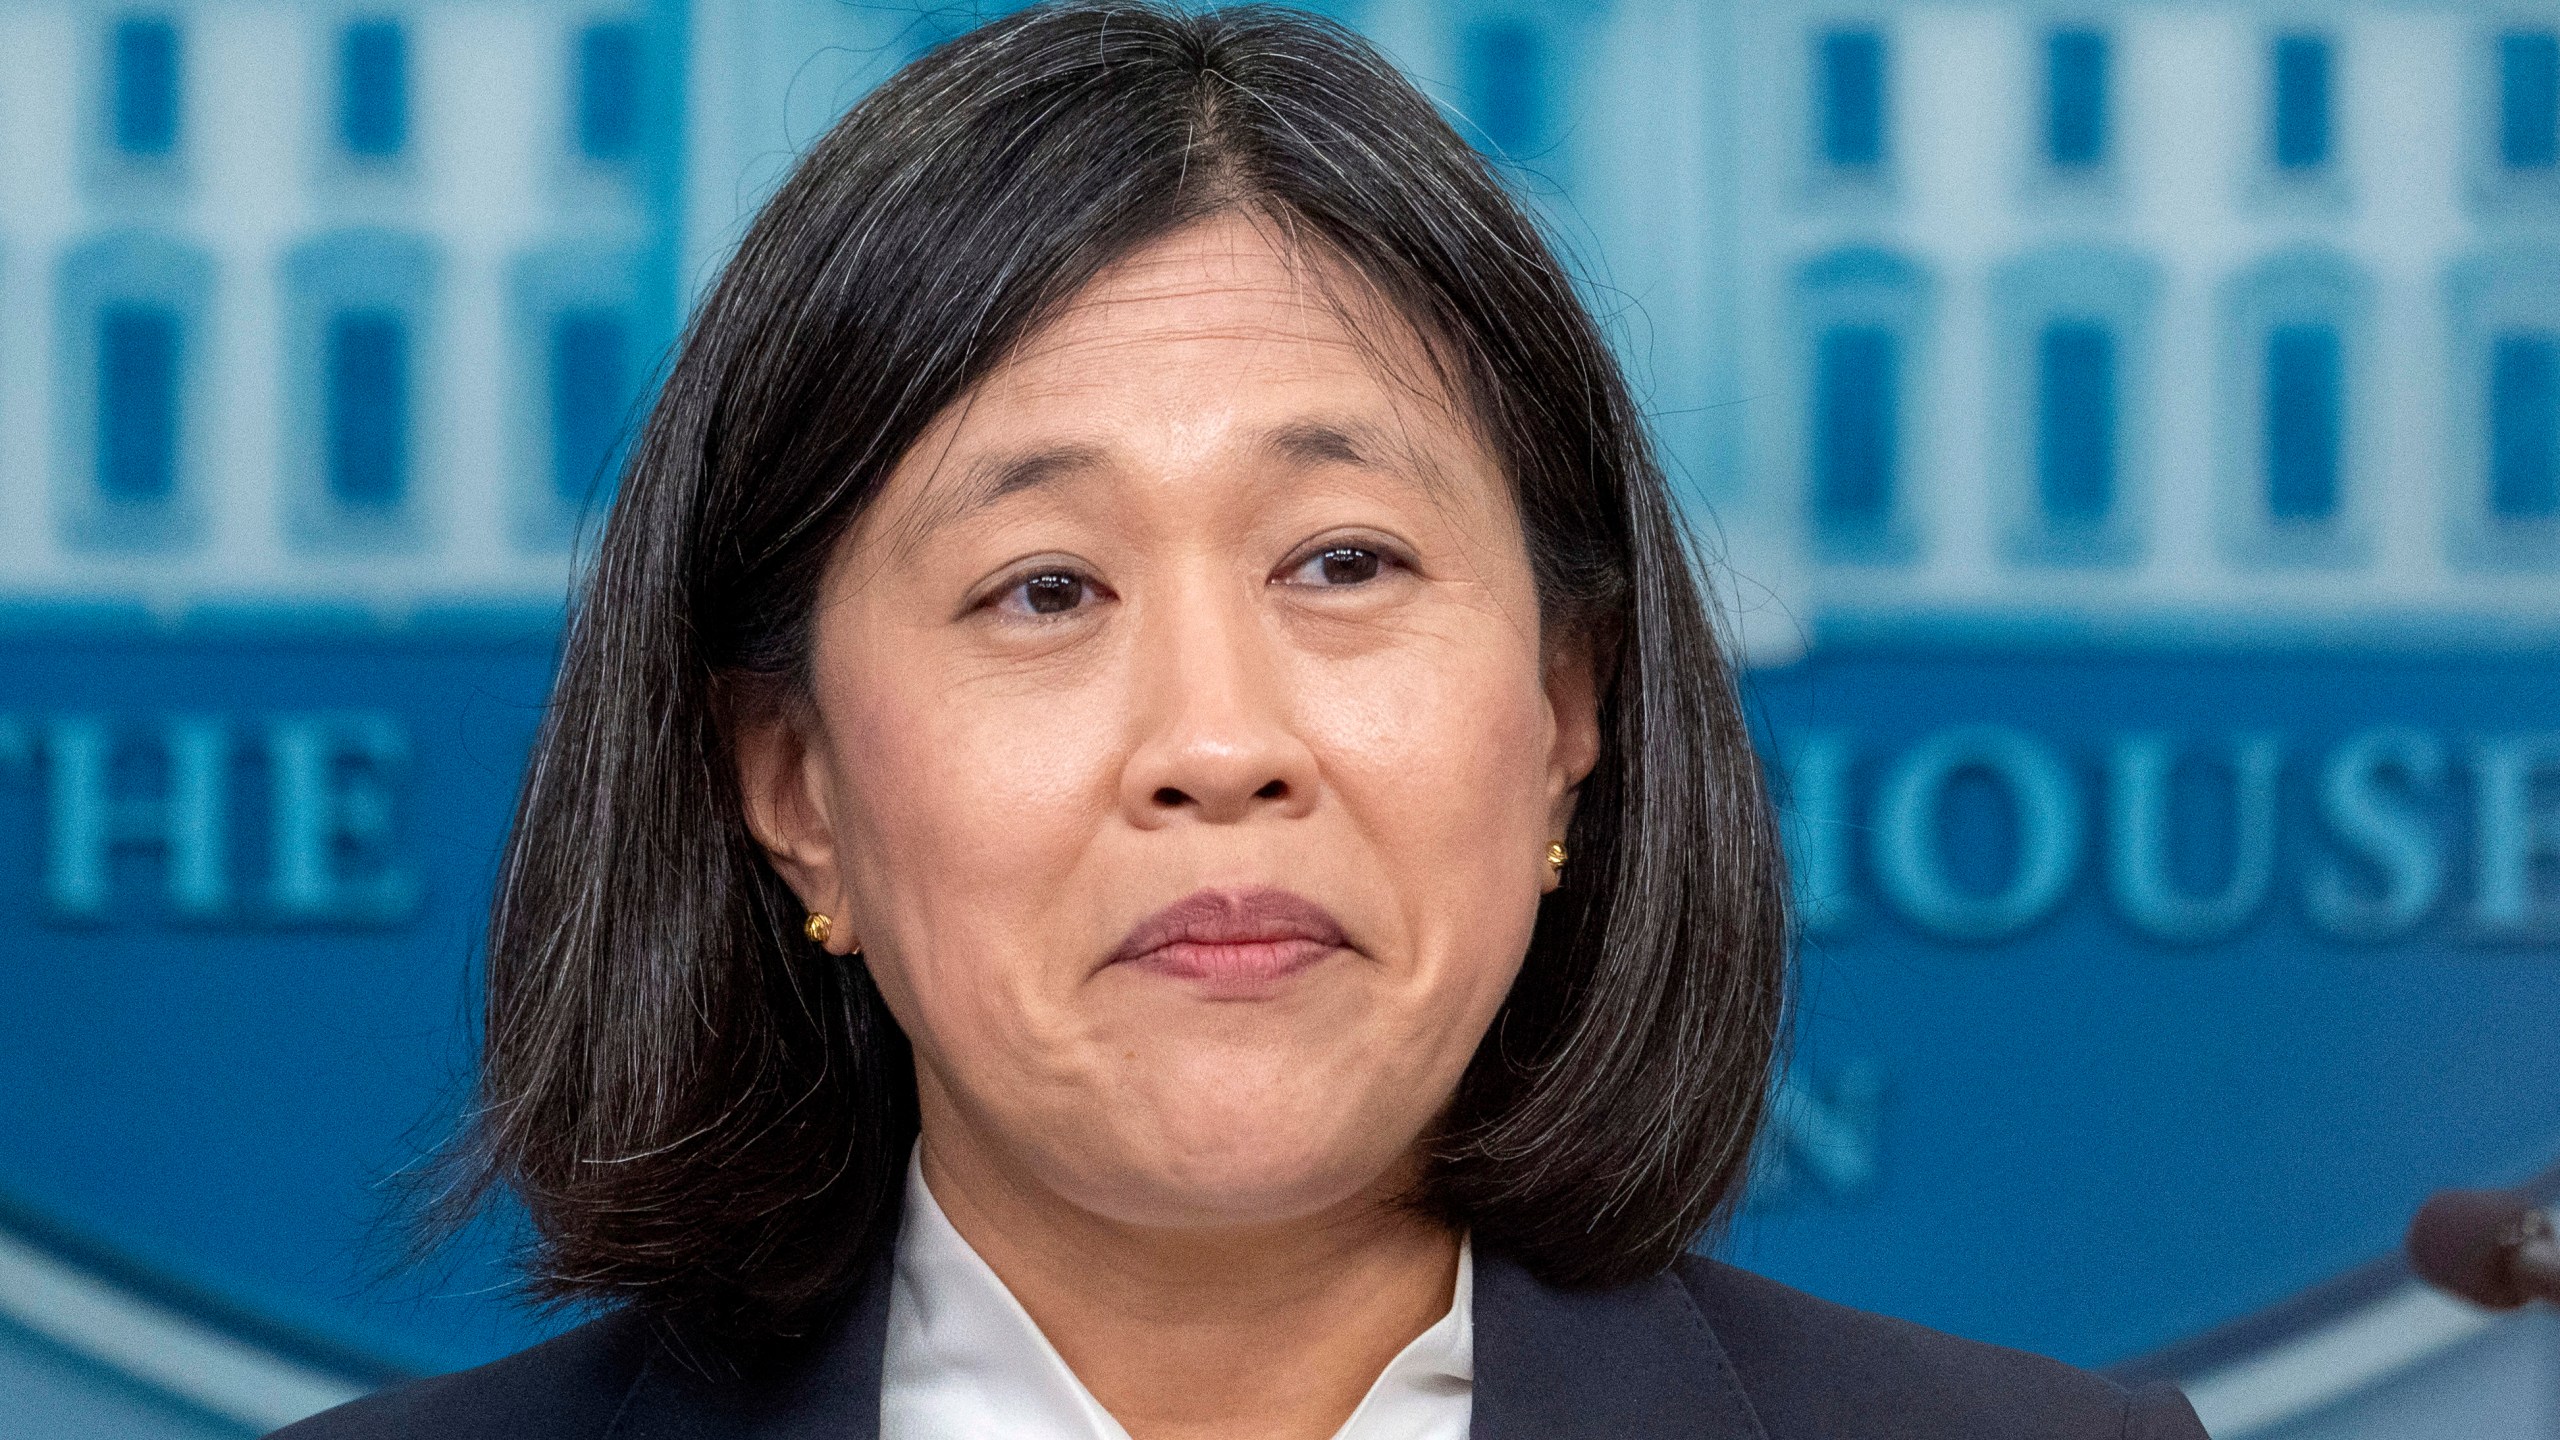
(2171, 978)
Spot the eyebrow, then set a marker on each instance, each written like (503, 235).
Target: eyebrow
(993, 478)
(1310, 443)
(988, 479)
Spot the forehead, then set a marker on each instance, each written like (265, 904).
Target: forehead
(1219, 342)
(1234, 284)
(1214, 331)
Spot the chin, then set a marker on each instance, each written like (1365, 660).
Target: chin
(1211, 1167)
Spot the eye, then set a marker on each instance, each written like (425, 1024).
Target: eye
(1338, 565)
(1045, 592)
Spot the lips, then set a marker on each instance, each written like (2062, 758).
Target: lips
(1242, 939)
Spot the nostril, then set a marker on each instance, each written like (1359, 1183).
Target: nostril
(1272, 791)
(1170, 798)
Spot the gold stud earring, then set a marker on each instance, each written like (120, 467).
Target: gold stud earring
(1556, 857)
(817, 927)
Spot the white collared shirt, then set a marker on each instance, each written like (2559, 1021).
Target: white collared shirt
(966, 1362)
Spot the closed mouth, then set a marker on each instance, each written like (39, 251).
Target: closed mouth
(1250, 937)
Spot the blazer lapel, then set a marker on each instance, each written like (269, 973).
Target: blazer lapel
(1637, 1360)
(824, 1388)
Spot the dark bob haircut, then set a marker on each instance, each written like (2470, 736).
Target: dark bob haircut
(708, 1118)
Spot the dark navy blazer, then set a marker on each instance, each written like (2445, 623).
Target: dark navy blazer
(1703, 1351)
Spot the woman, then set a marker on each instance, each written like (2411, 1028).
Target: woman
(1143, 832)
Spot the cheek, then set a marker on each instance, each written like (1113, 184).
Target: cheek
(1441, 762)
(1441, 771)
(970, 818)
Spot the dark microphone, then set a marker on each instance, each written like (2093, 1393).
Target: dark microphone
(2491, 1247)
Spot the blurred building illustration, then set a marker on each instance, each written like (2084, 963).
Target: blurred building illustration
(2232, 319)
(2204, 325)
(2199, 316)
(317, 305)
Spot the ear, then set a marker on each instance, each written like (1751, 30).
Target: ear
(1572, 678)
(785, 779)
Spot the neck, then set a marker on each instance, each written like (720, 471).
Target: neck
(1266, 1332)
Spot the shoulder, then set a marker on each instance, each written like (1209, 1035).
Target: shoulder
(1812, 1368)
(569, 1386)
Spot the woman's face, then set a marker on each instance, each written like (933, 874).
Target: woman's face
(1184, 751)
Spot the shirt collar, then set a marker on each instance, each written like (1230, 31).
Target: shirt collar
(963, 1356)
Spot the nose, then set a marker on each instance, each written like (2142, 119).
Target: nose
(1217, 741)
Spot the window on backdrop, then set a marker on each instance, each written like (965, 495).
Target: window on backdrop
(1850, 81)
(373, 88)
(143, 86)
(1855, 444)
(2075, 129)
(129, 326)
(2524, 426)
(2529, 100)
(1866, 315)
(2301, 108)
(2302, 423)
(2076, 423)
(138, 396)
(2072, 326)
(590, 373)
(1506, 85)
(578, 342)
(357, 331)
(608, 90)
(366, 426)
